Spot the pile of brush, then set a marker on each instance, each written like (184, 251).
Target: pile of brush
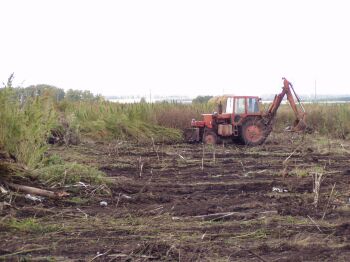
(9, 168)
(17, 178)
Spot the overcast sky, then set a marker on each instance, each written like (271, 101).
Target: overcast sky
(177, 47)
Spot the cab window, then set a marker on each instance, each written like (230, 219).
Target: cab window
(240, 106)
(253, 105)
(229, 105)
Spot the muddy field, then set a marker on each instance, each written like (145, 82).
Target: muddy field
(193, 203)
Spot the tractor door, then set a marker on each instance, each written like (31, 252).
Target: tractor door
(239, 109)
(229, 105)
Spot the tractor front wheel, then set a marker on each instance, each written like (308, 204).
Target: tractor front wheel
(210, 137)
(253, 132)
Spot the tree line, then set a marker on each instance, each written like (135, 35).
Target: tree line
(57, 94)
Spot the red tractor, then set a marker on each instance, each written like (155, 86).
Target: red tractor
(243, 119)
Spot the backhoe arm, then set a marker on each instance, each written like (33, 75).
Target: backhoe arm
(299, 123)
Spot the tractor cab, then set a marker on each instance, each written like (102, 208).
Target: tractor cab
(237, 108)
(226, 124)
(242, 106)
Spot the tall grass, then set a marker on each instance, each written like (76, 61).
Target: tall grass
(24, 127)
(179, 115)
(332, 120)
(140, 121)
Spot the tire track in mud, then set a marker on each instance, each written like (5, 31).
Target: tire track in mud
(163, 198)
(226, 179)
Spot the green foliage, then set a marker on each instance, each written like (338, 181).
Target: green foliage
(70, 173)
(78, 200)
(51, 92)
(108, 120)
(31, 225)
(79, 95)
(300, 172)
(201, 99)
(52, 160)
(56, 94)
(304, 172)
(25, 127)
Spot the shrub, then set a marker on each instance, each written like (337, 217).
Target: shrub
(24, 128)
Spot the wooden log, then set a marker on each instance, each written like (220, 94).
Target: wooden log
(38, 191)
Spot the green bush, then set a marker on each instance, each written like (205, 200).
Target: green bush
(24, 127)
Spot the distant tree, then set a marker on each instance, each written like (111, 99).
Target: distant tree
(57, 94)
(33, 91)
(143, 100)
(87, 95)
(73, 95)
(79, 95)
(99, 98)
(201, 99)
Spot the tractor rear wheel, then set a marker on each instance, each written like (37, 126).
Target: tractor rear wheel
(254, 132)
(210, 137)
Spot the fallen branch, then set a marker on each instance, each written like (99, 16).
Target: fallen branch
(4, 204)
(223, 216)
(319, 229)
(99, 255)
(254, 172)
(81, 211)
(6, 256)
(130, 256)
(181, 157)
(38, 191)
(295, 150)
(3, 190)
(218, 216)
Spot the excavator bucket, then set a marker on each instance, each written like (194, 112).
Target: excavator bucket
(300, 125)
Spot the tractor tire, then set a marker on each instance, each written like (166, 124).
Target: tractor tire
(210, 137)
(254, 132)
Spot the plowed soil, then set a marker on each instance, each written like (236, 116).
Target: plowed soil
(189, 202)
